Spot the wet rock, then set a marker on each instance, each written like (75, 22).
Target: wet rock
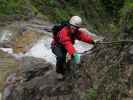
(130, 55)
(32, 67)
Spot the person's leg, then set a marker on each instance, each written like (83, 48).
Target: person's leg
(60, 65)
(60, 53)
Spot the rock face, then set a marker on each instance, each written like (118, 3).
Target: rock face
(110, 71)
(41, 81)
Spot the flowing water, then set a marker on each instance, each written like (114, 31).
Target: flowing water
(5, 35)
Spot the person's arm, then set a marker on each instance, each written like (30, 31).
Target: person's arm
(85, 37)
(66, 41)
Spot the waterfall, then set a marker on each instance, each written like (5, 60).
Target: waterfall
(42, 50)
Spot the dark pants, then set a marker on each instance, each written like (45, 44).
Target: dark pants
(60, 53)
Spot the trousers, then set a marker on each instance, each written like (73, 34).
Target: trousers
(60, 53)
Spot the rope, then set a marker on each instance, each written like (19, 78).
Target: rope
(112, 42)
(116, 42)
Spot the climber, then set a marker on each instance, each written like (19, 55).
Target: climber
(62, 44)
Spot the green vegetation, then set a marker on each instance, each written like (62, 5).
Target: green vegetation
(91, 94)
(12, 7)
(102, 15)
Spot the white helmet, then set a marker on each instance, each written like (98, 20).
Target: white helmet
(76, 21)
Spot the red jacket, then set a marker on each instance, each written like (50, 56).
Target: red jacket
(67, 39)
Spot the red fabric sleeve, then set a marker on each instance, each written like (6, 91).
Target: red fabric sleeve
(84, 37)
(66, 41)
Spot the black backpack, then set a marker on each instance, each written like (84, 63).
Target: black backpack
(57, 27)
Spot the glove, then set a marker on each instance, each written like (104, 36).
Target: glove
(93, 42)
(76, 58)
(97, 40)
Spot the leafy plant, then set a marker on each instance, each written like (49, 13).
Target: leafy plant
(91, 94)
